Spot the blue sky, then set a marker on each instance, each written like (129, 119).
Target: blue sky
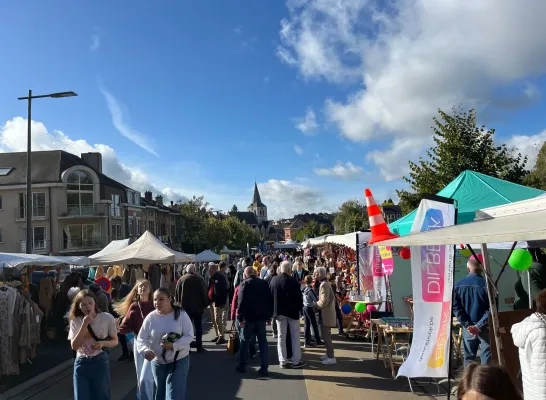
(313, 99)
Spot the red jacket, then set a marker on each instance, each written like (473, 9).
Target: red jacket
(235, 303)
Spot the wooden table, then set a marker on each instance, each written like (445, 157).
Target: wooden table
(352, 328)
(393, 337)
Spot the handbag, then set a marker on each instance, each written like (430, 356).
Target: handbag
(233, 341)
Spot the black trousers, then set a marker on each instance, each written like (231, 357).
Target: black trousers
(122, 339)
(311, 322)
(197, 320)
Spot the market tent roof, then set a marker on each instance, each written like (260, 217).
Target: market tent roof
(207, 255)
(75, 260)
(112, 247)
(146, 250)
(289, 244)
(19, 261)
(347, 240)
(518, 222)
(473, 191)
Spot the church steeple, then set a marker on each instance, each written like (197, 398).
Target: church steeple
(257, 207)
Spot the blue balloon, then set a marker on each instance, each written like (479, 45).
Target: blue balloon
(346, 308)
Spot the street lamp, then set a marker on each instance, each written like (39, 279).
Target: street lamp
(28, 208)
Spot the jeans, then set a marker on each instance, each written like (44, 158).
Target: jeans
(171, 386)
(197, 320)
(248, 335)
(145, 379)
(282, 326)
(310, 321)
(92, 378)
(471, 344)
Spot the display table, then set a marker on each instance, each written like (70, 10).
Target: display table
(391, 333)
(354, 329)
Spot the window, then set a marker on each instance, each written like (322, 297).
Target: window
(39, 238)
(79, 194)
(82, 236)
(1, 238)
(115, 208)
(116, 232)
(150, 212)
(130, 226)
(38, 205)
(138, 228)
(5, 171)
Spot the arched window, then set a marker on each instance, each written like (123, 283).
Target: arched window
(79, 194)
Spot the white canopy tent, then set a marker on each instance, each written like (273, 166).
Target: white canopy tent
(289, 244)
(147, 249)
(207, 255)
(347, 240)
(522, 221)
(112, 247)
(19, 261)
(229, 251)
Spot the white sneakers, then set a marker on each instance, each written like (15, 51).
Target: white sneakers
(327, 361)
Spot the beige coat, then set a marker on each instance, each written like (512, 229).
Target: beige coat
(327, 305)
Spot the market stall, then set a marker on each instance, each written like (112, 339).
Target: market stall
(207, 255)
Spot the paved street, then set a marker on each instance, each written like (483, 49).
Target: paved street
(213, 376)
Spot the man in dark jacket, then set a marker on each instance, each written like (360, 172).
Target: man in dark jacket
(120, 290)
(471, 307)
(218, 297)
(287, 305)
(191, 295)
(255, 309)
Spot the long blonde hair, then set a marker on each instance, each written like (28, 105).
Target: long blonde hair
(123, 306)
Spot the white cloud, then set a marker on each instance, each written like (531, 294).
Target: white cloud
(95, 40)
(298, 150)
(285, 199)
(238, 30)
(528, 145)
(122, 127)
(13, 139)
(413, 57)
(340, 170)
(308, 124)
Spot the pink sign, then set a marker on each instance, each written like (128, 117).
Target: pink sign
(388, 261)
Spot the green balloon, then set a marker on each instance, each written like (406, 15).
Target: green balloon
(360, 307)
(520, 260)
(466, 252)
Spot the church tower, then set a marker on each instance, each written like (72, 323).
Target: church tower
(257, 207)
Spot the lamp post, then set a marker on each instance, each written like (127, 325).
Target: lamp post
(28, 207)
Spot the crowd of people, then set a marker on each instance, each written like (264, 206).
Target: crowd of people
(158, 328)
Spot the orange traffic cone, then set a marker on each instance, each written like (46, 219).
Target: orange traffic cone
(380, 230)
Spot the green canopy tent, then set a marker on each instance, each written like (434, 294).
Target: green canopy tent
(473, 191)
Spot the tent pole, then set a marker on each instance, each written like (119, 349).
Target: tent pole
(529, 289)
(505, 262)
(492, 305)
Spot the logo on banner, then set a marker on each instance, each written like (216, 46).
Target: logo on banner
(386, 257)
(432, 271)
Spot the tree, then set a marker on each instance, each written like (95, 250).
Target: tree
(388, 202)
(238, 234)
(310, 230)
(351, 216)
(459, 145)
(234, 209)
(537, 177)
(193, 215)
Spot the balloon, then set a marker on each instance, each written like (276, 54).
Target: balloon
(364, 316)
(346, 308)
(461, 246)
(466, 252)
(405, 253)
(520, 260)
(371, 308)
(360, 307)
(479, 257)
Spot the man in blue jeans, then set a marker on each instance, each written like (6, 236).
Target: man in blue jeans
(471, 307)
(255, 309)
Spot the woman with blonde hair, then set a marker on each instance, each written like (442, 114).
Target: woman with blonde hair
(90, 331)
(134, 308)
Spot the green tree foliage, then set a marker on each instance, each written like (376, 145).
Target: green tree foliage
(537, 177)
(351, 216)
(310, 230)
(234, 209)
(459, 145)
(388, 202)
(238, 234)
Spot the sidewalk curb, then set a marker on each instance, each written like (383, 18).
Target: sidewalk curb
(37, 380)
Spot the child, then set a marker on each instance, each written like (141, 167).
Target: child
(309, 300)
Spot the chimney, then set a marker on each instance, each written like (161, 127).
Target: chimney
(94, 160)
(159, 200)
(148, 195)
(172, 203)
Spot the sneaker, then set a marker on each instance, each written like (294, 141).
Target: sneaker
(300, 364)
(309, 344)
(215, 339)
(285, 366)
(320, 343)
(263, 372)
(329, 361)
(221, 341)
(324, 357)
(200, 350)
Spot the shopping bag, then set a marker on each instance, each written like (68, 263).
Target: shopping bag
(233, 341)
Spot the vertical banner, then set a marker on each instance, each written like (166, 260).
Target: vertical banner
(379, 286)
(388, 262)
(365, 273)
(432, 281)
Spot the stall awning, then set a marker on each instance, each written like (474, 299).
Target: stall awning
(519, 225)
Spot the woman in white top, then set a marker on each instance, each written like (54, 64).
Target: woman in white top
(170, 359)
(529, 336)
(90, 331)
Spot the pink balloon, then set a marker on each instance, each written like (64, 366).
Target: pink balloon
(371, 308)
(479, 257)
(364, 316)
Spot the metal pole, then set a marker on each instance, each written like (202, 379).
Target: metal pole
(28, 206)
(529, 290)
(493, 305)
